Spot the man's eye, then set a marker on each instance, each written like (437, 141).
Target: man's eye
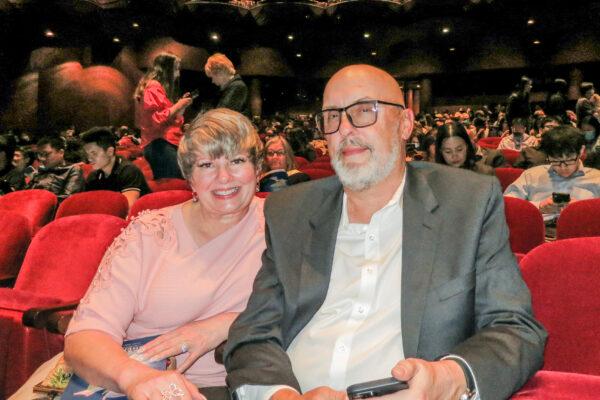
(332, 116)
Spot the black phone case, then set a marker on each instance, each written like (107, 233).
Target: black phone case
(375, 388)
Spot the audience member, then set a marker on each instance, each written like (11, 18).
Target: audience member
(279, 167)
(453, 147)
(22, 171)
(386, 268)
(7, 150)
(518, 138)
(556, 103)
(584, 106)
(234, 92)
(54, 173)
(564, 173)
(590, 127)
(111, 172)
(534, 156)
(518, 102)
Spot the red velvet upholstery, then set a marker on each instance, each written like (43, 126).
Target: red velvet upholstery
(510, 155)
(317, 173)
(144, 166)
(525, 224)
(15, 235)
(160, 185)
(564, 277)
(87, 169)
(579, 219)
(323, 158)
(94, 202)
(506, 176)
(490, 142)
(262, 195)
(319, 165)
(553, 385)
(157, 200)
(300, 161)
(35, 204)
(519, 257)
(58, 267)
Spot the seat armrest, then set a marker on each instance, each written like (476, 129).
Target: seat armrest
(54, 319)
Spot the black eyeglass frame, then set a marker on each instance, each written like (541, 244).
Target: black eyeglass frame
(343, 110)
(559, 163)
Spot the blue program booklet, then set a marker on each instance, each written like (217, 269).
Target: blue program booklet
(80, 389)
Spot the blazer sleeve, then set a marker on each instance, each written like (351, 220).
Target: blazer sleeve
(235, 97)
(254, 354)
(508, 344)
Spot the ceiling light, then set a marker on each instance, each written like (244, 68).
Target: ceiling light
(214, 37)
(48, 33)
(116, 40)
(135, 25)
(536, 42)
(366, 35)
(290, 37)
(373, 53)
(445, 30)
(452, 49)
(299, 55)
(530, 21)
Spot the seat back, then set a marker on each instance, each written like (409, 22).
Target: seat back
(491, 142)
(510, 156)
(525, 224)
(87, 169)
(144, 166)
(579, 219)
(506, 176)
(15, 235)
(160, 185)
(153, 201)
(94, 202)
(563, 277)
(318, 173)
(319, 165)
(63, 257)
(37, 205)
(300, 161)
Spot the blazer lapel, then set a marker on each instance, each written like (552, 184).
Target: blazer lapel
(420, 230)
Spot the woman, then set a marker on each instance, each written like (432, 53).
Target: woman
(279, 170)
(182, 272)
(591, 132)
(159, 119)
(453, 147)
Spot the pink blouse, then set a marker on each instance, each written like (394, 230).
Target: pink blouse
(154, 278)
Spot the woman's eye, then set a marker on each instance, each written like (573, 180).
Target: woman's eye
(238, 161)
(205, 165)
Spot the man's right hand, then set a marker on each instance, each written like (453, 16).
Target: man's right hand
(548, 206)
(320, 393)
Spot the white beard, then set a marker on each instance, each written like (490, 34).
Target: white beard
(378, 167)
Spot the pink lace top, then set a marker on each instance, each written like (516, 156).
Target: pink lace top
(155, 278)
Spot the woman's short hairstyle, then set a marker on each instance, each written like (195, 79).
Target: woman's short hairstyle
(290, 161)
(216, 133)
(218, 63)
(454, 129)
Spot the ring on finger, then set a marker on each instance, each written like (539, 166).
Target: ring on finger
(171, 392)
(184, 347)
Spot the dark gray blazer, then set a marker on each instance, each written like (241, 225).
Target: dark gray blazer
(462, 291)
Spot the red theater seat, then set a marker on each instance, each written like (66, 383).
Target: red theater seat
(579, 219)
(564, 277)
(552, 385)
(506, 176)
(510, 156)
(94, 202)
(300, 161)
(525, 224)
(317, 173)
(58, 267)
(160, 185)
(319, 165)
(490, 142)
(157, 200)
(87, 169)
(144, 166)
(36, 205)
(15, 235)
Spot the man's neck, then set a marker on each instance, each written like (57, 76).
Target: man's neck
(363, 204)
(109, 167)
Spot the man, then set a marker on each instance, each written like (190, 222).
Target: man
(556, 103)
(533, 156)
(518, 102)
(234, 92)
(54, 174)
(518, 138)
(584, 105)
(386, 269)
(111, 172)
(564, 173)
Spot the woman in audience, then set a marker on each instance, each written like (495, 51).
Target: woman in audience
(182, 272)
(453, 147)
(591, 132)
(279, 170)
(159, 116)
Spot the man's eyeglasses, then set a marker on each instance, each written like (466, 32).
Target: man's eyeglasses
(44, 154)
(360, 114)
(275, 153)
(567, 163)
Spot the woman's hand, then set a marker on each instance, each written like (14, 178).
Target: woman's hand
(165, 385)
(196, 338)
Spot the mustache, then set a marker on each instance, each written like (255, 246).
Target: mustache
(352, 141)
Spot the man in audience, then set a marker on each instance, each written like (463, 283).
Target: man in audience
(54, 174)
(386, 269)
(563, 180)
(518, 138)
(584, 106)
(533, 156)
(234, 92)
(111, 172)
(518, 102)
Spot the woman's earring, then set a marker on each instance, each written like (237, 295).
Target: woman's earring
(194, 196)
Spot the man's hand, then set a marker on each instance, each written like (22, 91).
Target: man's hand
(438, 380)
(548, 206)
(320, 393)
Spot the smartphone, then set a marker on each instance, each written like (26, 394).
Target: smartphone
(194, 94)
(375, 388)
(559, 198)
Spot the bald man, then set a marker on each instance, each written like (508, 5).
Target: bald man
(386, 269)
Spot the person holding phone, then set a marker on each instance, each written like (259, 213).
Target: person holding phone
(234, 92)
(563, 179)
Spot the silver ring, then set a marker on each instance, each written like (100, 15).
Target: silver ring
(184, 347)
(172, 392)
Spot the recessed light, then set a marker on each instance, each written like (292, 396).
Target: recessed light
(116, 40)
(536, 42)
(366, 35)
(452, 49)
(445, 30)
(135, 25)
(373, 53)
(299, 55)
(290, 37)
(48, 33)
(214, 37)
(530, 21)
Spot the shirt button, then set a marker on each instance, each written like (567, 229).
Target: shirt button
(361, 310)
(371, 237)
(342, 348)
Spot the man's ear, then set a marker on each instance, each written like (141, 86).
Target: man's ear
(407, 121)
(111, 151)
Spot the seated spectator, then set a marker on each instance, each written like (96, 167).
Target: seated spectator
(584, 106)
(54, 174)
(7, 149)
(299, 141)
(427, 148)
(563, 173)
(453, 147)
(22, 162)
(591, 132)
(111, 172)
(534, 156)
(279, 168)
(518, 138)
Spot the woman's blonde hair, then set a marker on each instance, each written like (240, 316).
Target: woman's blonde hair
(216, 133)
(290, 161)
(218, 63)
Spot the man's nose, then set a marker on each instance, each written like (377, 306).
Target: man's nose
(345, 125)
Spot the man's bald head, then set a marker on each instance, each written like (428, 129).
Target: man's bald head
(369, 81)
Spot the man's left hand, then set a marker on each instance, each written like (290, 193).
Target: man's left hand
(434, 380)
